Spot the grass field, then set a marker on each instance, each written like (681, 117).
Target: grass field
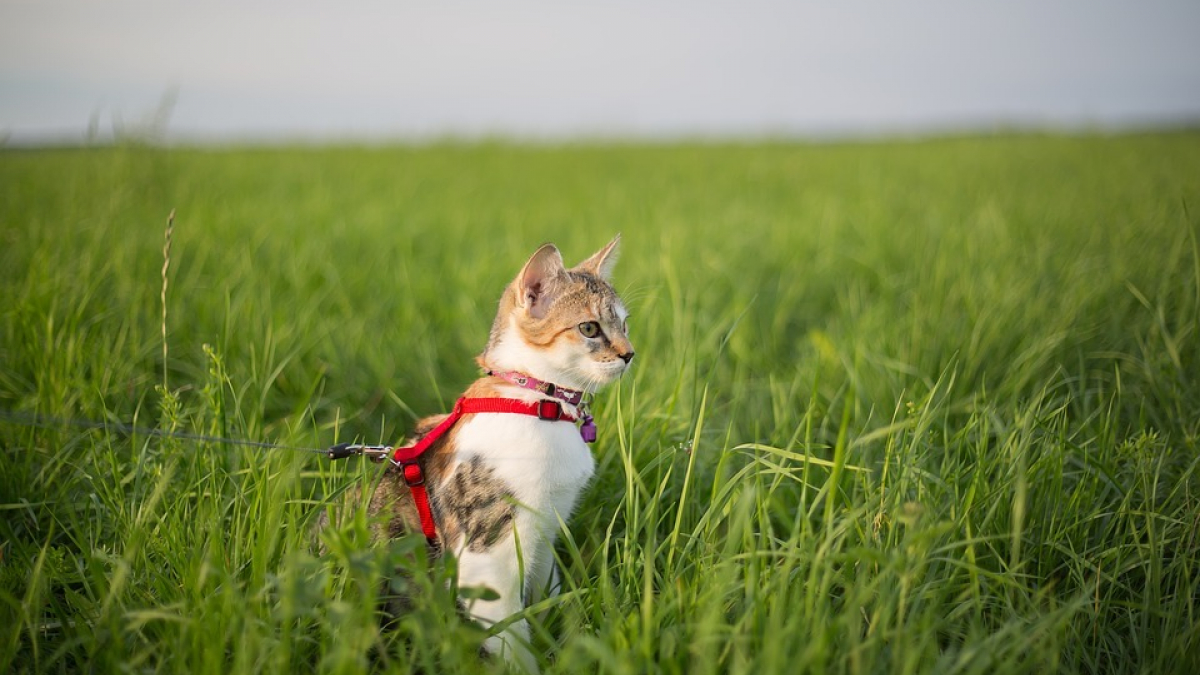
(912, 407)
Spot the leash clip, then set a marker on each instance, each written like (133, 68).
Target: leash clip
(375, 453)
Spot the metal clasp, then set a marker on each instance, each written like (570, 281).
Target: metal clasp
(343, 450)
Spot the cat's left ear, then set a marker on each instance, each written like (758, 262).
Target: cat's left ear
(538, 281)
(603, 261)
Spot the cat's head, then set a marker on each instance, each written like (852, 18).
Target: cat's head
(565, 326)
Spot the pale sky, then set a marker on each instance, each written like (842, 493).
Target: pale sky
(411, 70)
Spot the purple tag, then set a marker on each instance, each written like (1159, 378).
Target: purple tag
(588, 430)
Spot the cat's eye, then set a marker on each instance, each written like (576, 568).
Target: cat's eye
(589, 329)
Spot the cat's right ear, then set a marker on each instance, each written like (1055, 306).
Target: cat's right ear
(536, 284)
(602, 262)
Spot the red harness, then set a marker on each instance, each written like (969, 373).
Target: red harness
(406, 458)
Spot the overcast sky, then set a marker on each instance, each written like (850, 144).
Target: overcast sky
(560, 69)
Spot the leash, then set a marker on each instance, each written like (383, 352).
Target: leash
(376, 453)
(48, 422)
(405, 458)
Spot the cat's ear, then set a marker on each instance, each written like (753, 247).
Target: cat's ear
(537, 281)
(603, 261)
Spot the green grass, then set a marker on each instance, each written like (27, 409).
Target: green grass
(898, 407)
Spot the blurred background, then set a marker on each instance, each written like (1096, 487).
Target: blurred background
(383, 71)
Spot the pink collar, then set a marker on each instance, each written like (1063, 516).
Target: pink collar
(572, 396)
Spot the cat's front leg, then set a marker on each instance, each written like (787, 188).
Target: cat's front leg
(497, 568)
(545, 578)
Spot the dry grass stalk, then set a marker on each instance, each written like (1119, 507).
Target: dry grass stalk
(165, 268)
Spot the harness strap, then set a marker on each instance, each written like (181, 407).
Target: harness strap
(406, 457)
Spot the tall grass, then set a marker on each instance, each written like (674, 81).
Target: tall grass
(906, 407)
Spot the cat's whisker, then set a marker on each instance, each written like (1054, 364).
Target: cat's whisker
(592, 381)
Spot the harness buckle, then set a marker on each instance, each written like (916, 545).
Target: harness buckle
(549, 410)
(413, 476)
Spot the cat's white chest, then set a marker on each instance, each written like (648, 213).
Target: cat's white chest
(545, 464)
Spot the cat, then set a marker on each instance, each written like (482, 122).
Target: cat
(497, 484)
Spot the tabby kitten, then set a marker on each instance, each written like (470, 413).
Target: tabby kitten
(498, 483)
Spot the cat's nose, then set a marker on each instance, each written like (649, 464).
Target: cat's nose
(626, 357)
